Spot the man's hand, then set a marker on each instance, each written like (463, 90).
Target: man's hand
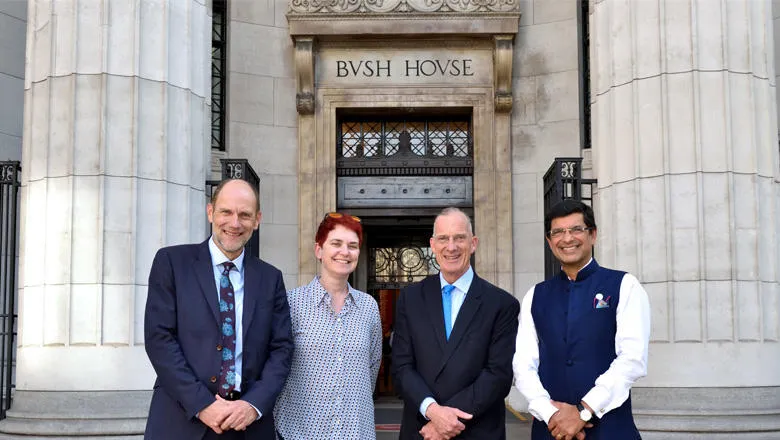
(241, 415)
(215, 414)
(446, 420)
(566, 423)
(428, 432)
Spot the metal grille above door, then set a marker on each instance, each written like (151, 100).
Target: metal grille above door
(404, 147)
(404, 162)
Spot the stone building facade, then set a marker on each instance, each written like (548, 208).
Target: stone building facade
(671, 104)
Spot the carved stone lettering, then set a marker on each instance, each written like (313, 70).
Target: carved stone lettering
(455, 67)
(406, 67)
(365, 68)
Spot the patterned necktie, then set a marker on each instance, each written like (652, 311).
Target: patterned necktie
(446, 302)
(227, 315)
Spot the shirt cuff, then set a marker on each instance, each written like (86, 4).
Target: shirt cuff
(544, 408)
(259, 414)
(597, 399)
(424, 406)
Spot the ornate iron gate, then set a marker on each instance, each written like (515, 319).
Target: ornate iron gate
(9, 217)
(563, 180)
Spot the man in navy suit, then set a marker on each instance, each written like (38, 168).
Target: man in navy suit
(217, 330)
(453, 344)
(583, 338)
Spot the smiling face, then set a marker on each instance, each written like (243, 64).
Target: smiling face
(233, 217)
(573, 251)
(453, 243)
(339, 252)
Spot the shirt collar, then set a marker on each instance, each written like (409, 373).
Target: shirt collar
(217, 257)
(318, 293)
(584, 271)
(463, 283)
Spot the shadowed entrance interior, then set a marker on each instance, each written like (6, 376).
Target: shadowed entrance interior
(398, 255)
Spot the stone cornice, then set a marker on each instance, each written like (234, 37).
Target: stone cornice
(404, 7)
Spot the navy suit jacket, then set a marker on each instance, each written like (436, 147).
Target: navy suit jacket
(471, 371)
(181, 333)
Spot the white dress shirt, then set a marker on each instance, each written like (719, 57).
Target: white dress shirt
(612, 387)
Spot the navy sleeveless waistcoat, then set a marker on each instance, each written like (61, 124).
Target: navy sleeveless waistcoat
(576, 325)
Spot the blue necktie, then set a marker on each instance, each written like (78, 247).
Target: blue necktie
(446, 302)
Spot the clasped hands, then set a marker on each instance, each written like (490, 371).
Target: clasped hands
(444, 422)
(566, 423)
(223, 415)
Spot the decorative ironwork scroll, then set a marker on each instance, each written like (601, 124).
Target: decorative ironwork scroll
(395, 267)
(401, 147)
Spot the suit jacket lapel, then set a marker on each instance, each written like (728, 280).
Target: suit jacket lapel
(204, 272)
(252, 279)
(432, 292)
(467, 312)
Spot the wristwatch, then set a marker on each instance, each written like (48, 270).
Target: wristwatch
(585, 415)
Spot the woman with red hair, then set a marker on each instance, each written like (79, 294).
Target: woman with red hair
(338, 345)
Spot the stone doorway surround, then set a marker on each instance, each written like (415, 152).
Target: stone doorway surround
(482, 30)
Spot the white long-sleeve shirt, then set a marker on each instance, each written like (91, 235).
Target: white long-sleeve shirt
(612, 387)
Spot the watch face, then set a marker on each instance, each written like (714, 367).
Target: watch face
(585, 415)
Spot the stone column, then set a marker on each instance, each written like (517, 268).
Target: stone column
(686, 156)
(115, 153)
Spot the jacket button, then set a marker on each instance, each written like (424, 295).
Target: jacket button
(213, 379)
(219, 347)
(570, 362)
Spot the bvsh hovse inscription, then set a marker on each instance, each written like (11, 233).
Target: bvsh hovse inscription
(408, 68)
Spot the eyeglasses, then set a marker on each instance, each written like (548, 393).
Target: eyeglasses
(445, 239)
(575, 231)
(339, 215)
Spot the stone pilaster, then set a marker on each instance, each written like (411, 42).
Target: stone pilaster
(115, 155)
(686, 155)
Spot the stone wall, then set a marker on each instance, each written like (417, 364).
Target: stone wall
(263, 121)
(776, 22)
(13, 24)
(545, 122)
(545, 125)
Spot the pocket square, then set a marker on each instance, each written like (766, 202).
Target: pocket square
(599, 302)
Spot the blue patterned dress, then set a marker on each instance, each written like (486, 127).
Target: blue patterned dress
(328, 394)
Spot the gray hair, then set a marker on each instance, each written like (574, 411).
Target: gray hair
(453, 210)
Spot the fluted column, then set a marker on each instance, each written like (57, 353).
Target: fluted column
(115, 154)
(685, 146)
